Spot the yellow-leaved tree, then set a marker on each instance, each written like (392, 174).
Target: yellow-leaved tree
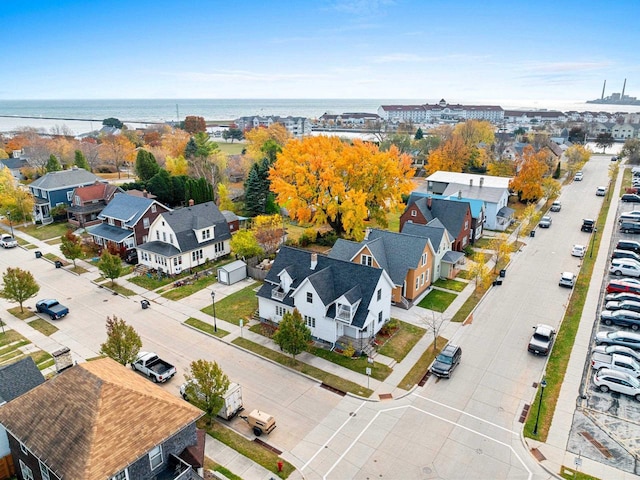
(256, 139)
(18, 201)
(176, 165)
(451, 156)
(531, 168)
(325, 180)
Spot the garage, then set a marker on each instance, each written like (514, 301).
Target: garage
(232, 272)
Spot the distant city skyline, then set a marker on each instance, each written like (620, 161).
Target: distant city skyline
(496, 52)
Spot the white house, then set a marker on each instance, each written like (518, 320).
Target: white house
(185, 238)
(341, 302)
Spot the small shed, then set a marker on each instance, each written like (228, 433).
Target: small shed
(232, 272)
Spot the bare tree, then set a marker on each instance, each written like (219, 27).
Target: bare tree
(434, 323)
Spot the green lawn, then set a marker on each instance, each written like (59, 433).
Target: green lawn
(229, 148)
(379, 371)
(467, 307)
(454, 285)
(241, 304)
(118, 288)
(45, 232)
(184, 291)
(420, 368)
(26, 313)
(55, 258)
(437, 300)
(43, 326)
(206, 327)
(403, 340)
(286, 360)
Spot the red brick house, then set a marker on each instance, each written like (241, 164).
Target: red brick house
(87, 203)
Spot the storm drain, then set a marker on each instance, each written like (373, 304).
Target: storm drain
(385, 396)
(267, 446)
(424, 379)
(525, 412)
(601, 448)
(538, 454)
(332, 389)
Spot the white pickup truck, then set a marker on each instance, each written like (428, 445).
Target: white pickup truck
(616, 361)
(149, 364)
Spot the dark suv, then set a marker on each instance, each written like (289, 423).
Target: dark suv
(630, 197)
(628, 245)
(448, 359)
(630, 227)
(587, 225)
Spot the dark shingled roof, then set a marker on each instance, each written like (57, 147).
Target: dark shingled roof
(127, 208)
(451, 214)
(331, 279)
(66, 178)
(434, 231)
(184, 220)
(18, 378)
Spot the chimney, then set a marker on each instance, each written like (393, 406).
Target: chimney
(429, 202)
(367, 231)
(62, 359)
(191, 202)
(314, 261)
(481, 181)
(459, 194)
(471, 182)
(145, 194)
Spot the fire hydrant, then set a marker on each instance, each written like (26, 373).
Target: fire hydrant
(280, 465)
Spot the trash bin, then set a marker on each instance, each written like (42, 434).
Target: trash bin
(532, 233)
(498, 281)
(38, 254)
(145, 304)
(503, 273)
(58, 264)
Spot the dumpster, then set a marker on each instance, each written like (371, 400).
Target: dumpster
(38, 254)
(503, 273)
(58, 264)
(145, 304)
(532, 233)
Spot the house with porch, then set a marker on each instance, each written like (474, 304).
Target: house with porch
(498, 216)
(410, 271)
(342, 302)
(56, 189)
(454, 215)
(87, 203)
(185, 238)
(100, 420)
(125, 222)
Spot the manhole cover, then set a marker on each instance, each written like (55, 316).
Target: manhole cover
(427, 470)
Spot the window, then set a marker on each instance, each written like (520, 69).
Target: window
(44, 471)
(27, 474)
(424, 259)
(145, 238)
(413, 213)
(206, 234)
(23, 448)
(379, 294)
(153, 208)
(422, 279)
(417, 282)
(110, 221)
(157, 235)
(310, 321)
(466, 224)
(309, 297)
(219, 247)
(177, 261)
(171, 238)
(145, 222)
(280, 311)
(164, 236)
(366, 260)
(379, 317)
(77, 200)
(155, 457)
(69, 195)
(122, 475)
(196, 255)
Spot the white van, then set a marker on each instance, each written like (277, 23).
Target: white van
(625, 266)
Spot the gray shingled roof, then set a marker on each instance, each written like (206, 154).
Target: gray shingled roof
(332, 279)
(66, 178)
(110, 232)
(18, 378)
(126, 208)
(434, 231)
(488, 194)
(396, 253)
(451, 214)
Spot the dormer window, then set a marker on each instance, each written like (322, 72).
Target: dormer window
(206, 234)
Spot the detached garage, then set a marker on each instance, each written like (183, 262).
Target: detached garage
(232, 272)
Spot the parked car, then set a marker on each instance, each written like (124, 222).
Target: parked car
(615, 362)
(632, 305)
(7, 241)
(618, 350)
(545, 222)
(625, 266)
(154, 367)
(622, 318)
(51, 307)
(587, 225)
(621, 297)
(628, 245)
(630, 227)
(618, 337)
(446, 361)
(542, 339)
(614, 159)
(601, 191)
(615, 286)
(607, 379)
(578, 250)
(131, 256)
(578, 176)
(630, 197)
(567, 279)
(556, 206)
(630, 216)
(625, 254)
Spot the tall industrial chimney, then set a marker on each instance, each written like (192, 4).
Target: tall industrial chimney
(603, 87)
(624, 85)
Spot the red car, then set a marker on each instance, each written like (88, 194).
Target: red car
(622, 286)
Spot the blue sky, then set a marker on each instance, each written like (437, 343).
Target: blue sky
(465, 50)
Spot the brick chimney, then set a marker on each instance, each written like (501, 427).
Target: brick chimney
(459, 194)
(314, 261)
(191, 202)
(145, 194)
(62, 359)
(429, 202)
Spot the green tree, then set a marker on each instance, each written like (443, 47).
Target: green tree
(245, 245)
(254, 194)
(191, 149)
(71, 246)
(162, 187)
(146, 165)
(557, 171)
(292, 336)
(123, 342)
(419, 134)
(206, 385)
(199, 190)
(110, 266)
(53, 164)
(112, 122)
(81, 161)
(550, 188)
(631, 150)
(18, 286)
(604, 141)
(233, 133)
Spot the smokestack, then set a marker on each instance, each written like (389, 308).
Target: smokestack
(624, 86)
(191, 202)
(314, 261)
(481, 181)
(603, 87)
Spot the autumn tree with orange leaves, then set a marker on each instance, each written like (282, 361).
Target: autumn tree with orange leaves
(531, 168)
(118, 149)
(451, 156)
(325, 180)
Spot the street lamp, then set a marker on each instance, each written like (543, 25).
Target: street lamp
(10, 223)
(213, 301)
(593, 240)
(543, 384)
